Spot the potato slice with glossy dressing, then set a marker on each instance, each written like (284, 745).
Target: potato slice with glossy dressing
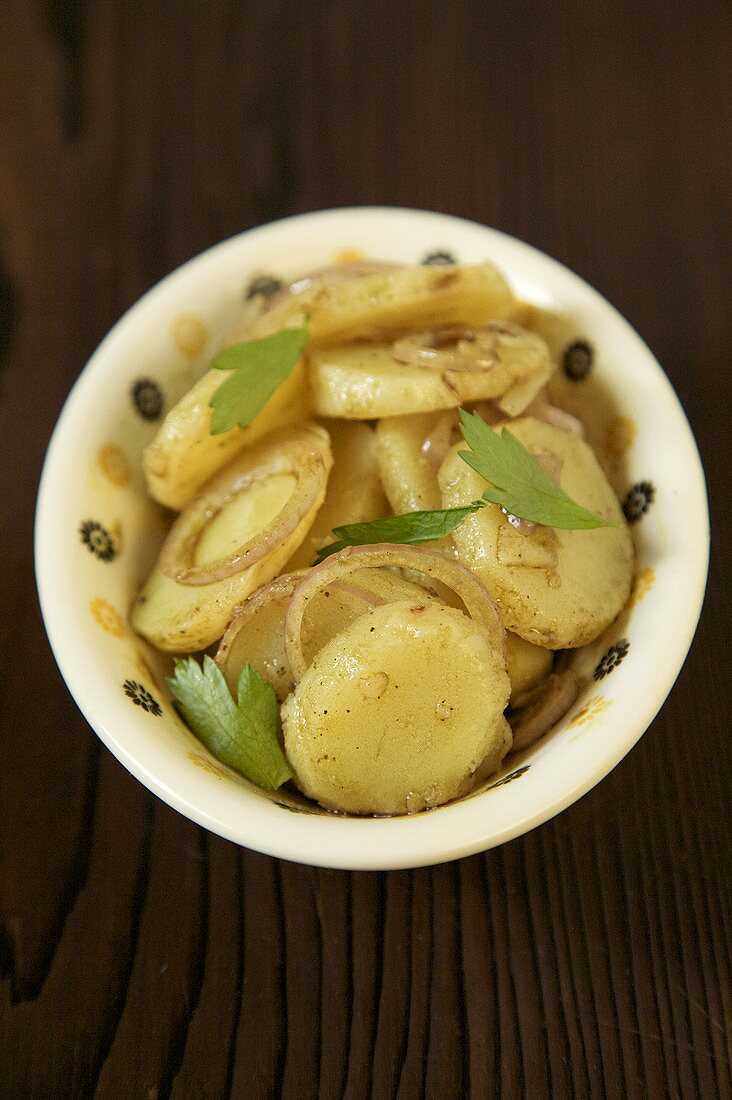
(430, 370)
(558, 589)
(393, 299)
(501, 744)
(528, 664)
(366, 381)
(184, 455)
(185, 617)
(255, 634)
(368, 732)
(408, 477)
(354, 494)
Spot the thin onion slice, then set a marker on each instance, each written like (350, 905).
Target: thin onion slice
(356, 592)
(227, 656)
(542, 708)
(301, 453)
(473, 349)
(278, 591)
(489, 411)
(542, 409)
(477, 600)
(551, 464)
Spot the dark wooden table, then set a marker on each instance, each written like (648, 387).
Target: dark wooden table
(143, 957)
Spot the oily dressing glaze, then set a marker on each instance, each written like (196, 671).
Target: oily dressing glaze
(365, 730)
(392, 353)
(558, 589)
(181, 617)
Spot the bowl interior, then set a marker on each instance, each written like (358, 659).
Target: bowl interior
(97, 535)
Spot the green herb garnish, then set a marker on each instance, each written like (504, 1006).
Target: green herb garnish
(517, 482)
(259, 367)
(241, 734)
(412, 528)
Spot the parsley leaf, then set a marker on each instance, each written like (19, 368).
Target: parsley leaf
(517, 481)
(259, 367)
(242, 735)
(412, 528)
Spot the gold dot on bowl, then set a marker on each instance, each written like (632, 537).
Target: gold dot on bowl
(113, 463)
(189, 334)
(349, 256)
(594, 706)
(619, 438)
(106, 616)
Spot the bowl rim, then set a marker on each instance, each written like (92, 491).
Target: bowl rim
(449, 832)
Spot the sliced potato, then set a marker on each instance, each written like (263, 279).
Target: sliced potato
(334, 608)
(367, 732)
(566, 601)
(409, 479)
(393, 299)
(528, 664)
(184, 617)
(501, 745)
(519, 396)
(354, 493)
(366, 381)
(255, 634)
(183, 455)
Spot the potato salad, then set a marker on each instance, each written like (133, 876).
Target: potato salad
(387, 538)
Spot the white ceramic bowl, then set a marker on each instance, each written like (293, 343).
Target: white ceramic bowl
(97, 533)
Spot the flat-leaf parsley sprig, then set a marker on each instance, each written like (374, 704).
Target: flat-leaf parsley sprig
(258, 368)
(517, 484)
(241, 734)
(411, 528)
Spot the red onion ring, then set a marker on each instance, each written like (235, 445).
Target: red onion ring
(281, 588)
(301, 453)
(475, 349)
(478, 601)
(542, 409)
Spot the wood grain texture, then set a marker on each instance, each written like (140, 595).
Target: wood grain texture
(143, 957)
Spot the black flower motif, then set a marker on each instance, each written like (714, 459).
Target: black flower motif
(141, 697)
(439, 257)
(638, 500)
(264, 286)
(577, 360)
(147, 398)
(611, 659)
(98, 540)
(510, 777)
